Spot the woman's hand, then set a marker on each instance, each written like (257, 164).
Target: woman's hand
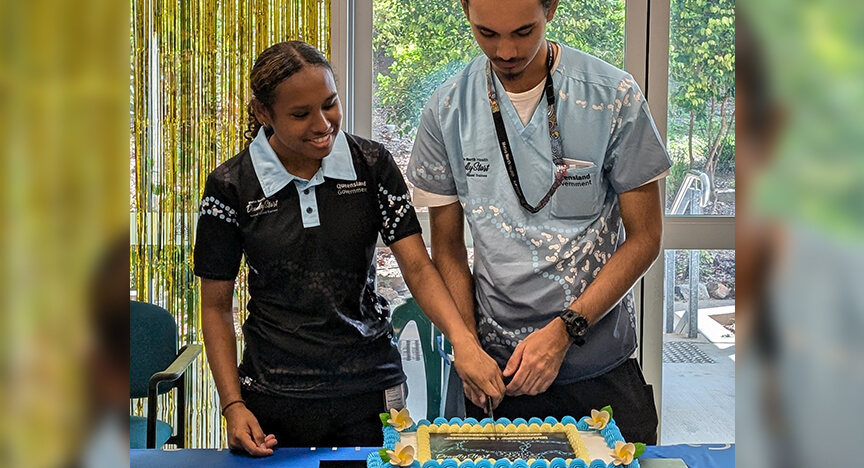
(244, 432)
(480, 374)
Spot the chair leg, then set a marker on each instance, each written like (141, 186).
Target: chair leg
(178, 438)
(151, 418)
(181, 412)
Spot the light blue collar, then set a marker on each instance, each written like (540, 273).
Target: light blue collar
(273, 176)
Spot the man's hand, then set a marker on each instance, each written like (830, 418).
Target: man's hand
(536, 360)
(480, 374)
(244, 432)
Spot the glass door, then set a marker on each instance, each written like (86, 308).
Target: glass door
(689, 294)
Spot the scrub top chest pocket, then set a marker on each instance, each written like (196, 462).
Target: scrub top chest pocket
(579, 196)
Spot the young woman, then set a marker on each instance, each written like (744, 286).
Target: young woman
(305, 203)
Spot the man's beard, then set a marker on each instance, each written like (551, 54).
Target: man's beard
(505, 75)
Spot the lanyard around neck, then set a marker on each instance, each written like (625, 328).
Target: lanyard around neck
(554, 136)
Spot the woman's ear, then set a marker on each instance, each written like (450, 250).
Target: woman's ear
(261, 113)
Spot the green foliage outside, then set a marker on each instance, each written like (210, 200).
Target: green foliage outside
(418, 44)
(701, 127)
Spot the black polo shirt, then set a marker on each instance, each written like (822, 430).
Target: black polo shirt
(316, 326)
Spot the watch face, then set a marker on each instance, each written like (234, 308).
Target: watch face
(576, 324)
(582, 324)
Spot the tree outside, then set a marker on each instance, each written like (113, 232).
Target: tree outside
(418, 44)
(701, 118)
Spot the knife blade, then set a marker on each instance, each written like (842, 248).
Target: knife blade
(491, 415)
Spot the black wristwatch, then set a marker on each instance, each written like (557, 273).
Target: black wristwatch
(576, 324)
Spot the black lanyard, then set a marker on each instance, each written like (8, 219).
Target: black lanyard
(554, 135)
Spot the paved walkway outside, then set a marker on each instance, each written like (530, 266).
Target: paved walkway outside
(698, 403)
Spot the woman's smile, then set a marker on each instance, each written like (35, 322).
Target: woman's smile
(323, 141)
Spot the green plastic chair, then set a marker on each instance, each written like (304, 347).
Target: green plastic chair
(155, 367)
(435, 362)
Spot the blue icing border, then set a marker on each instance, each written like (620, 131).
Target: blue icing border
(611, 434)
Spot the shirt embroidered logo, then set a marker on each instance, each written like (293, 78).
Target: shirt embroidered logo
(351, 188)
(577, 180)
(262, 206)
(476, 167)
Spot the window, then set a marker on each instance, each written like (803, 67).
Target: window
(419, 44)
(701, 109)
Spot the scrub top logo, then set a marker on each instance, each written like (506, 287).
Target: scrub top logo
(262, 206)
(577, 180)
(351, 188)
(476, 167)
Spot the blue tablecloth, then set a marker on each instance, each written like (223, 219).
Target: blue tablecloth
(282, 457)
(695, 456)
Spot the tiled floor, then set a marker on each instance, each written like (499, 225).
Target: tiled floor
(698, 402)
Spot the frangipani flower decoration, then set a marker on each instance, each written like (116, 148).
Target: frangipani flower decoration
(598, 419)
(623, 454)
(401, 455)
(400, 420)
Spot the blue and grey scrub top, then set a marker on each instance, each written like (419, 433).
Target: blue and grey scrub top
(528, 267)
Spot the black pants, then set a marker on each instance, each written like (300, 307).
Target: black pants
(320, 422)
(623, 388)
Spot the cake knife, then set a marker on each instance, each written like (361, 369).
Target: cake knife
(491, 415)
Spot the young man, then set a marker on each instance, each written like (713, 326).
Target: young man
(551, 154)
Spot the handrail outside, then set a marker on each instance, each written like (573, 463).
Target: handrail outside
(679, 205)
(685, 197)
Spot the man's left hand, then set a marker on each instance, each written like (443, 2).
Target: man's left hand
(537, 359)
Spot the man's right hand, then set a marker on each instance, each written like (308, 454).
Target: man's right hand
(480, 374)
(244, 432)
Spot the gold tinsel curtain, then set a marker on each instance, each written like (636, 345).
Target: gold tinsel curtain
(190, 68)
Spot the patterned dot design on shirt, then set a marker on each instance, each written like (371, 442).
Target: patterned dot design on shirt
(495, 333)
(631, 309)
(626, 86)
(432, 171)
(570, 258)
(394, 208)
(210, 206)
(330, 286)
(561, 248)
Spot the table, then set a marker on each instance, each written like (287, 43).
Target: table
(694, 456)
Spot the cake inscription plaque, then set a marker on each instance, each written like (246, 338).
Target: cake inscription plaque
(527, 445)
